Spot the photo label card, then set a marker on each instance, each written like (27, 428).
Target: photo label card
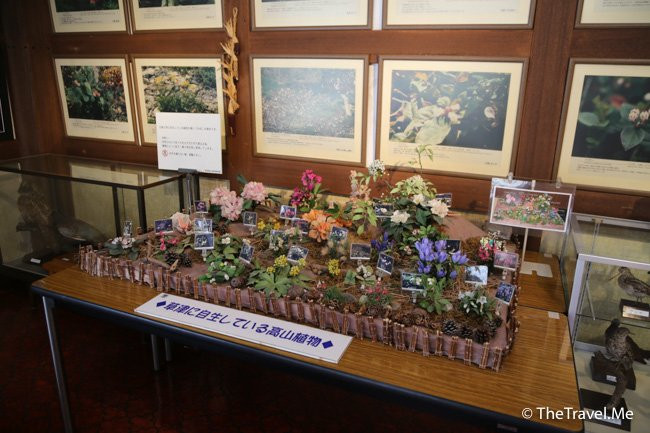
(477, 275)
(246, 253)
(296, 253)
(360, 251)
(189, 140)
(204, 241)
(163, 225)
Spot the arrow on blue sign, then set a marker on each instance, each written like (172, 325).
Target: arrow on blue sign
(328, 344)
(160, 304)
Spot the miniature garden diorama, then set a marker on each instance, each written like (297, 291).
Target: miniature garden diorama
(396, 268)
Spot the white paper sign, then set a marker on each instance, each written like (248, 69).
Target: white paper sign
(279, 334)
(189, 140)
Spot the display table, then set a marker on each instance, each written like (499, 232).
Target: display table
(539, 372)
(542, 292)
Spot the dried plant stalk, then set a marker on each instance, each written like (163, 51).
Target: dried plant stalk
(230, 67)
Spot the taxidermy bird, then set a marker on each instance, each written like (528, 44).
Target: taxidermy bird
(621, 348)
(631, 284)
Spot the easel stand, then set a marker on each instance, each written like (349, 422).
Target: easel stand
(527, 268)
(190, 181)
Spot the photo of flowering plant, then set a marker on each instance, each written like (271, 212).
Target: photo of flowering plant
(95, 92)
(542, 210)
(613, 120)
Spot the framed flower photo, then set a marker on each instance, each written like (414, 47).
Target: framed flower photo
(605, 141)
(77, 16)
(310, 14)
(177, 85)
(95, 98)
(608, 13)
(149, 15)
(310, 108)
(458, 116)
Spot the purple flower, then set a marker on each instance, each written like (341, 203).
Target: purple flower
(453, 275)
(383, 244)
(423, 269)
(459, 258)
(441, 245)
(425, 249)
(442, 256)
(441, 273)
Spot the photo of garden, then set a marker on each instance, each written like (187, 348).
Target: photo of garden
(163, 3)
(85, 5)
(462, 109)
(179, 89)
(309, 101)
(530, 209)
(613, 121)
(95, 92)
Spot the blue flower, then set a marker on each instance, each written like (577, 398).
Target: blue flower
(423, 269)
(453, 275)
(425, 249)
(459, 258)
(441, 273)
(441, 245)
(442, 256)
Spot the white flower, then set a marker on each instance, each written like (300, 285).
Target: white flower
(482, 300)
(212, 281)
(438, 207)
(634, 114)
(643, 117)
(646, 97)
(225, 240)
(226, 277)
(489, 112)
(376, 168)
(419, 198)
(418, 281)
(399, 217)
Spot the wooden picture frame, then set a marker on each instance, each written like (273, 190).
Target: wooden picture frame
(330, 102)
(470, 136)
(599, 148)
(7, 131)
(416, 14)
(87, 113)
(100, 16)
(593, 13)
(310, 14)
(146, 17)
(185, 86)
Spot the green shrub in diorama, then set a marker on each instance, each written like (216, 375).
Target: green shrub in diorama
(94, 92)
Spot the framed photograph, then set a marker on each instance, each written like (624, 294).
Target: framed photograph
(384, 210)
(288, 212)
(360, 251)
(465, 113)
(477, 275)
(506, 260)
(202, 225)
(176, 14)
(452, 245)
(6, 119)
(411, 282)
(200, 206)
(310, 108)
(608, 13)
(163, 226)
(458, 13)
(177, 85)
(338, 234)
(249, 219)
(246, 253)
(127, 229)
(311, 14)
(204, 241)
(606, 118)
(385, 263)
(532, 209)
(95, 98)
(303, 225)
(296, 253)
(446, 198)
(75, 16)
(505, 292)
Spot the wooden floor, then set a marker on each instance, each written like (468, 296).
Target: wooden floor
(542, 292)
(538, 373)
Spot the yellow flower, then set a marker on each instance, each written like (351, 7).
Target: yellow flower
(261, 225)
(277, 225)
(333, 267)
(295, 270)
(270, 270)
(302, 263)
(281, 261)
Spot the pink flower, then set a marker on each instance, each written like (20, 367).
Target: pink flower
(231, 206)
(218, 194)
(254, 191)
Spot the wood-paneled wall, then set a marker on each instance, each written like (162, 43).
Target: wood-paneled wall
(548, 45)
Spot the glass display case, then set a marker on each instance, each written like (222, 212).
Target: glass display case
(605, 270)
(52, 203)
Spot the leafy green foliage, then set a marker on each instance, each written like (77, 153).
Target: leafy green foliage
(94, 92)
(433, 295)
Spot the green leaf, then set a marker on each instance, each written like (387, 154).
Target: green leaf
(588, 119)
(631, 137)
(241, 179)
(360, 230)
(357, 217)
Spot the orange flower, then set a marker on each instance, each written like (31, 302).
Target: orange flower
(320, 228)
(313, 215)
